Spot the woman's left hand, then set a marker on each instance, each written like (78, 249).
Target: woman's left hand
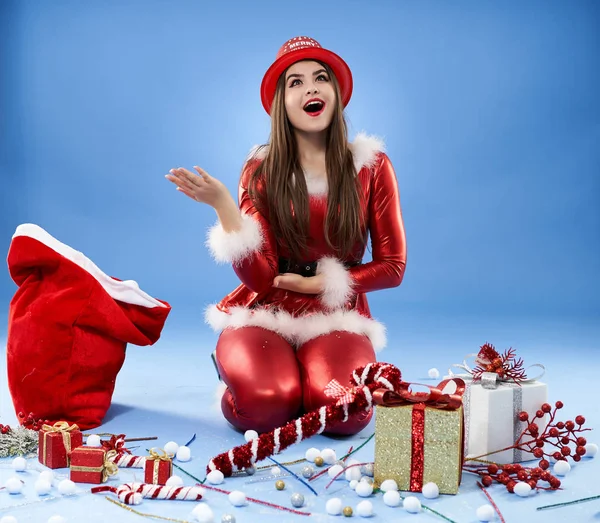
(295, 282)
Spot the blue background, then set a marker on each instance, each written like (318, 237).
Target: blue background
(491, 118)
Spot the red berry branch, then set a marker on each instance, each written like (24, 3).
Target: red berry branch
(506, 365)
(31, 422)
(559, 440)
(510, 475)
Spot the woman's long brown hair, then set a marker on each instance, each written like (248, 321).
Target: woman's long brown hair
(286, 195)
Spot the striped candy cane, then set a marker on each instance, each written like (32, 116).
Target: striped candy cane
(359, 398)
(133, 493)
(129, 461)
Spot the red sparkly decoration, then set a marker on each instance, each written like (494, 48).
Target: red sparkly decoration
(506, 365)
(29, 422)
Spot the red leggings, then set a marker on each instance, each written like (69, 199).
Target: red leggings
(269, 382)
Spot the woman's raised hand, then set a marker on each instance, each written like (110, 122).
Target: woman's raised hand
(201, 187)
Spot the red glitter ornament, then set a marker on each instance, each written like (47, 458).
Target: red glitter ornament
(506, 365)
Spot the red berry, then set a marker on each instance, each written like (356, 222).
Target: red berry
(487, 481)
(539, 414)
(503, 477)
(492, 468)
(533, 428)
(517, 466)
(580, 420)
(532, 484)
(566, 451)
(522, 475)
(554, 483)
(554, 432)
(565, 440)
(581, 441)
(546, 407)
(569, 425)
(576, 457)
(545, 475)
(580, 451)
(538, 453)
(510, 486)
(544, 464)
(523, 416)
(559, 404)
(560, 425)
(539, 443)
(557, 455)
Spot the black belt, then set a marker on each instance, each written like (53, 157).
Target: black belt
(306, 268)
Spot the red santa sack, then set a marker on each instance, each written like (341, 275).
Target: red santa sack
(68, 327)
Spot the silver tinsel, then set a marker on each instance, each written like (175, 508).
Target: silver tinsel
(228, 518)
(19, 442)
(297, 500)
(307, 471)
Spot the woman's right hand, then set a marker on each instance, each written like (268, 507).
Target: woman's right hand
(200, 187)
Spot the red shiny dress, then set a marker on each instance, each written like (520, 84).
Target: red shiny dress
(278, 349)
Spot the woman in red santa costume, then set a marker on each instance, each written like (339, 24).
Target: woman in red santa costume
(308, 201)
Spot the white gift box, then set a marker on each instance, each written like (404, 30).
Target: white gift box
(492, 418)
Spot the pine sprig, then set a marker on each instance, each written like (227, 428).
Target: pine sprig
(19, 441)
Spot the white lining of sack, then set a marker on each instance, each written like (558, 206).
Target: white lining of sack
(127, 291)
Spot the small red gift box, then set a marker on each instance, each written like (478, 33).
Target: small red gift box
(56, 443)
(158, 468)
(92, 465)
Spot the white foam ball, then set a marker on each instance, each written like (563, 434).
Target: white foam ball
(184, 453)
(93, 440)
(561, 468)
(42, 487)
(311, 454)
(389, 484)
(590, 450)
(364, 509)
(353, 484)
(47, 475)
(57, 519)
(275, 471)
(171, 448)
(66, 487)
(8, 519)
(334, 506)
(430, 490)
(13, 485)
(215, 477)
(364, 489)
(353, 474)
(433, 373)
(485, 513)
(328, 456)
(19, 464)
(392, 498)
(368, 469)
(237, 498)
(249, 435)
(334, 471)
(522, 489)
(351, 462)
(412, 504)
(175, 481)
(203, 513)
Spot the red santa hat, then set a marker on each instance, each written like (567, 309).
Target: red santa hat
(68, 327)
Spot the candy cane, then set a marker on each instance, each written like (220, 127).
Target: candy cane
(132, 493)
(350, 401)
(128, 461)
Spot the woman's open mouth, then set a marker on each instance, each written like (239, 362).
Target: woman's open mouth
(314, 107)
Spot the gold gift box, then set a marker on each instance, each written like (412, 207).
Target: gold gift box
(442, 447)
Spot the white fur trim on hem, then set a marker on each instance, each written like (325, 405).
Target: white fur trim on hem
(127, 291)
(298, 329)
(338, 282)
(233, 247)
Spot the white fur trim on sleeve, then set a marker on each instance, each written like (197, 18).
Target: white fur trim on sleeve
(233, 247)
(338, 282)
